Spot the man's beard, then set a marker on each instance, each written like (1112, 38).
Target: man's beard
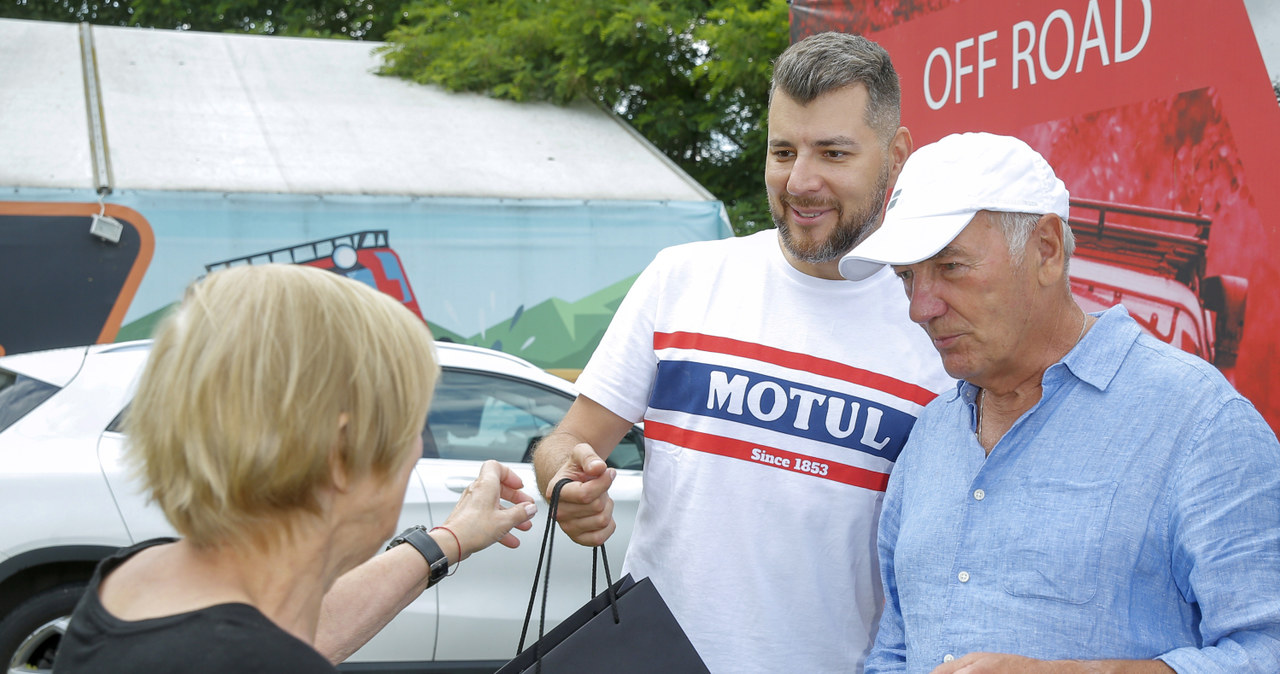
(850, 230)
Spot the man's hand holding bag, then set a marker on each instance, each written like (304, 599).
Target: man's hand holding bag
(626, 628)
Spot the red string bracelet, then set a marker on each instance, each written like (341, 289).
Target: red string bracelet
(455, 540)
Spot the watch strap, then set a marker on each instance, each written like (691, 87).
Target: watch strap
(422, 541)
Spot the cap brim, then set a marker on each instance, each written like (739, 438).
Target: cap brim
(902, 241)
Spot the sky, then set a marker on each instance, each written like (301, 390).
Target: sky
(1265, 15)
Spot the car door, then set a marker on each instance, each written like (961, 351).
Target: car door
(408, 638)
(411, 635)
(478, 416)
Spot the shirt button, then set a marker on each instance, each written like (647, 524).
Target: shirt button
(964, 576)
(979, 494)
(948, 657)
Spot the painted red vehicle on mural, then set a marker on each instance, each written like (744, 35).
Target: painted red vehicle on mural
(364, 256)
(1153, 262)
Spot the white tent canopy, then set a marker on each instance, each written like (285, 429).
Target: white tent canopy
(243, 113)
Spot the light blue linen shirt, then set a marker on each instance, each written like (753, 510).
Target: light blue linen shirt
(1132, 513)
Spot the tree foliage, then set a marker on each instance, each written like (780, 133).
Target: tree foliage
(358, 19)
(692, 76)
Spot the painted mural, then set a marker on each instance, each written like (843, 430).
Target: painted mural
(537, 279)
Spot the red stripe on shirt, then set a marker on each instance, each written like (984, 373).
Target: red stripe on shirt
(767, 456)
(796, 361)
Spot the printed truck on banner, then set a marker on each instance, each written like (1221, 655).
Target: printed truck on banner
(1152, 261)
(364, 256)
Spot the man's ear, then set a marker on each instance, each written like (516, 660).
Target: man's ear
(1046, 249)
(899, 149)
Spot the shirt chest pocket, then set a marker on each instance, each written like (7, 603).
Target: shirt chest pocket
(1057, 540)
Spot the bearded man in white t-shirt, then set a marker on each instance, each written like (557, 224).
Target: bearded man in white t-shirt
(775, 395)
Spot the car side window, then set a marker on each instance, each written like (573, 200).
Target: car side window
(629, 454)
(477, 416)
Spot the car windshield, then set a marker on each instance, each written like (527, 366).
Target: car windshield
(20, 394)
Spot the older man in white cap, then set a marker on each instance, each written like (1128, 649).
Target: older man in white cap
(1089, 498)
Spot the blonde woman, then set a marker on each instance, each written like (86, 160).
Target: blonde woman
(276, 424)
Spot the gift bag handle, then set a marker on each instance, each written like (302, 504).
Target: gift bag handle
(548, 539)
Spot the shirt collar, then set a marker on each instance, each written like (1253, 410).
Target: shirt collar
(1097, 364)
(1099, 355)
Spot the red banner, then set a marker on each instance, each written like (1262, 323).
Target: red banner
(1160, 117)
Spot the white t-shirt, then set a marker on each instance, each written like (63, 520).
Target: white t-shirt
(774, 406)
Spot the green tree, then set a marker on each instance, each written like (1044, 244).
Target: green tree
(692, 76)
(358, 19)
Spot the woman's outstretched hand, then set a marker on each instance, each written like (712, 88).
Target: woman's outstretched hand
(479, 519)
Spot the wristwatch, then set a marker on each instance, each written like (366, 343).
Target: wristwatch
(418, 537)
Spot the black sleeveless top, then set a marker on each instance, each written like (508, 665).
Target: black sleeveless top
(222, 638)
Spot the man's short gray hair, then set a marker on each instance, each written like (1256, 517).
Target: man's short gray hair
(1017, 229)
(829, 61)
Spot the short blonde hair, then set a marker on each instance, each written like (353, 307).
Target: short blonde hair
(262, 377)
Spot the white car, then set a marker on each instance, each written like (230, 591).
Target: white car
(65, 503)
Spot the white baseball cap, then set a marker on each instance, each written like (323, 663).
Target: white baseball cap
(943, 185)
